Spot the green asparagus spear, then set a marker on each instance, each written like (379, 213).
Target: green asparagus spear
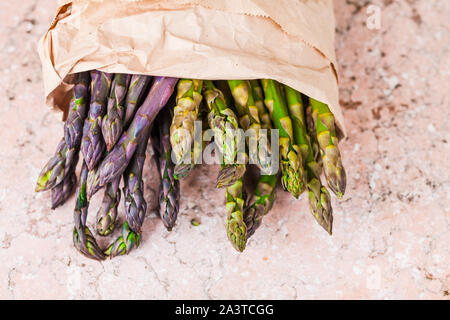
(223, 121)
(245, 104)
(258, 96)
(236, 228)
(328, 143)
(318, 195)
(182, 129)
(293, 176)
(261, 203)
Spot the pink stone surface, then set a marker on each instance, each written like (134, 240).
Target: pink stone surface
(391, 231)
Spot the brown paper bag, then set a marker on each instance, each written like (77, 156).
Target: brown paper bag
(291, 41)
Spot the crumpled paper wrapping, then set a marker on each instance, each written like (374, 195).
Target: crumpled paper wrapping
(291, 41)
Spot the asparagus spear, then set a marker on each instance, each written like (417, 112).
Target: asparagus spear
(136, 90)
(64, 190)
(223, 121)
(182, 129)
(223, 86)
(169, 196)
(249, 118)
(245, 104)
(135, 205)
(311, 127)
(112, 122)
(58, 167)
(229, 174)
(262, 202)
(266, 123)
(118, 159)
(328, 143)
(78, 108)
(236, 228)
(318, 195)
(124, 243)
(258, 96)
(66, 155)
(83, 238)
(107, 214)
(93, 145)
(293, 175)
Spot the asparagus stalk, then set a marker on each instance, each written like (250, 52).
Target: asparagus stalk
(236, 228)
(318, 195)
(248, 116)
(135, 204)
(222, 86)
(258, 96)
(124, 243)
(328, 143)
(83, 238)
(64, 190)
(311, 127)
(136, 90)
(182, 129)
(58, 167)
(261, 203)
(169, 196)
(223, 121)
(78, 109)
(66, 155)
(118, 159)
(112, 122)
(92, 144)
(293, 175)
(107, 214)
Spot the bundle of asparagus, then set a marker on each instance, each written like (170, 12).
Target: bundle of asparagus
(111, 135)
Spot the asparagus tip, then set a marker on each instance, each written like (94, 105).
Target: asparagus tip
(229, 174)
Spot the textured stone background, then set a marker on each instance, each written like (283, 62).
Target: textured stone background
(391, 232)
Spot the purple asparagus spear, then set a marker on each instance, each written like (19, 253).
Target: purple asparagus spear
(78, 109)
(93, 145)
(66, 155)
(64, 190)
(118, 159)
(58, 167)
(135, 205)
(112, 122)
(107, 214)
(169, 195)
(136, 90)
